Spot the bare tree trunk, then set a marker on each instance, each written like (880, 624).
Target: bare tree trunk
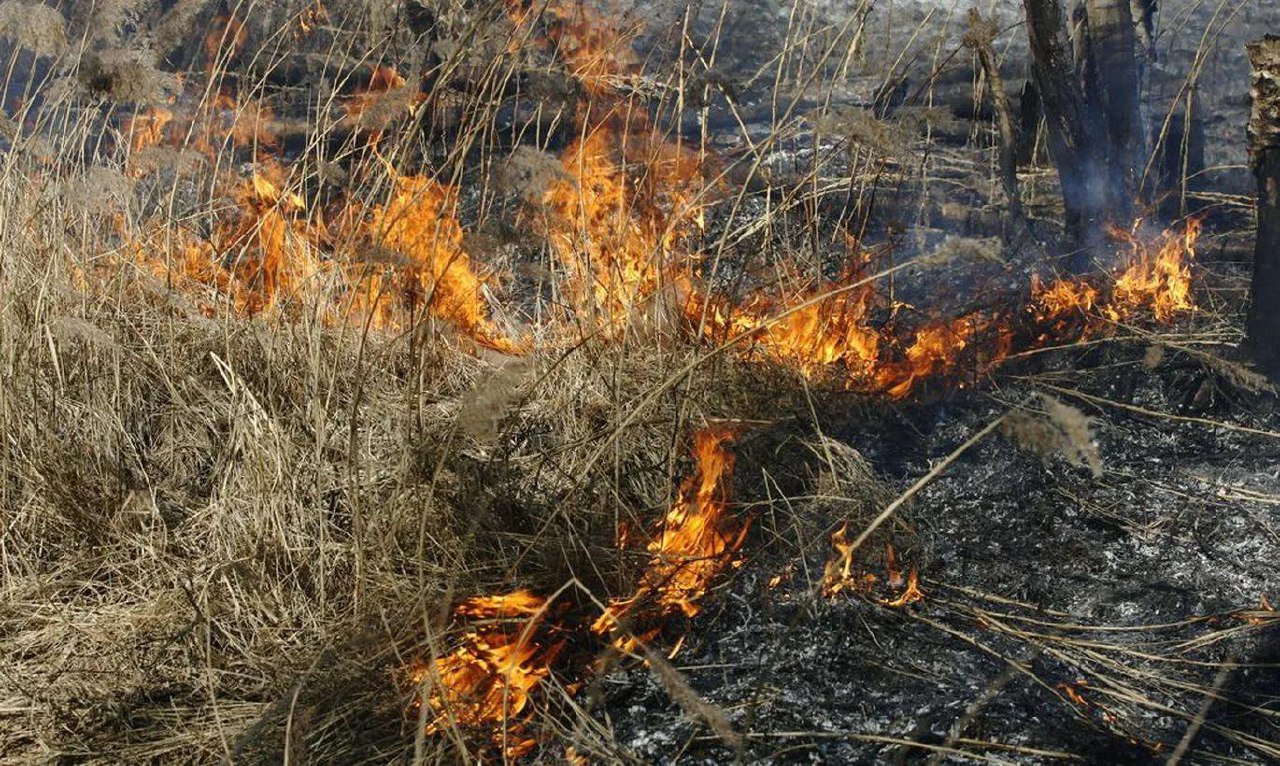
(1088, 80)
(979, 37)
(1144, 19)
(1264, 154)
(1074, 144)
(1113, 84)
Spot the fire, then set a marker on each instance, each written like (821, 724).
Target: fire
(1264, 612)
(147, 128)
(1158, 275)
(695, 544)
(598, 55)
(1063, 298)
(419, 222)
(1073, 692)
(840, 576)
(894, 574)
(225, 39)
(805, 331)
(935, 351)
(486, 683)
(629, 197)
(910, 595)
(271, 248)
(622, 223)
(311, 17)
(514, 640)
(618, 235)
(824, 337)
(387, 98)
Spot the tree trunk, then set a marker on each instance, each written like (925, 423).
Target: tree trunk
(1088, 80)
(1112, 87)
(1264, 155)
(980, 38)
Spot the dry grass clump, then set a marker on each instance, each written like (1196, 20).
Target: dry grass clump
(847, 492)
(126, 76)
(225, 529)
(34, 26)
(192, 522)
(1053, 427)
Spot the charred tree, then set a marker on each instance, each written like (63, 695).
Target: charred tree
(1264, 155)
(1088, 82)
(1113, 85)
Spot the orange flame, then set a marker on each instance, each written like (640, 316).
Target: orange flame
(838, 575)
(1073, 692)
(147, 128)
(225, 39)
(486, 682)
(418, 222)
(597, 54)
(697, 541)
(1158, 275)
(910, 595)
(807, 331)
(387, 98)
(615, 235)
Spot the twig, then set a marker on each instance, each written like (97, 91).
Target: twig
(1153, 413)
(1193, 728)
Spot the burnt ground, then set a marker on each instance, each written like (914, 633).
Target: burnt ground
(1127, 587)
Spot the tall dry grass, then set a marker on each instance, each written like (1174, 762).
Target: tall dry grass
(225, 536)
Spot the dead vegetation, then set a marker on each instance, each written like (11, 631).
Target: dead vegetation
(322, 340)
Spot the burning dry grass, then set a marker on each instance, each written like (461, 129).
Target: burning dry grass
(285, 456)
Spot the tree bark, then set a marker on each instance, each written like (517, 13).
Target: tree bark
(1264, 155)
(1073, 145)
(1087, 78)
(1112, 87)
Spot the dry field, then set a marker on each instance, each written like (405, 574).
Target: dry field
(381, 382)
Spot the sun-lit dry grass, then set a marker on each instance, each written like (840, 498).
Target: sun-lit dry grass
(232, 524)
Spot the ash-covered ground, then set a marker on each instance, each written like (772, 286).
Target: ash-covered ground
(1067, 616)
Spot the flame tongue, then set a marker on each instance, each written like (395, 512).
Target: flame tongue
(487, 682)
(419, 223)
(697, 541)
(490, 676)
